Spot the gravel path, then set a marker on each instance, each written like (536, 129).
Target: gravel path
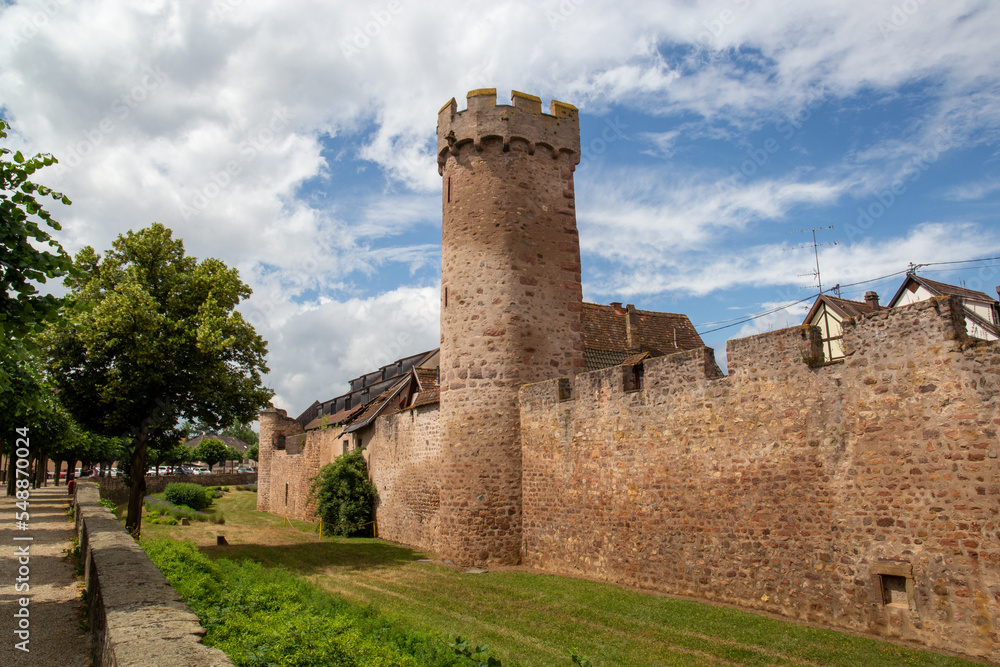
(55, 608)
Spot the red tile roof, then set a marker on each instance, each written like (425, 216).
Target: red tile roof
(943, 289)
(606, 333)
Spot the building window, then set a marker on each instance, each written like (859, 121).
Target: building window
(635, 377)
(894, 591)
(280, 444)
(286, 494)
(895, 583)
(346, 445)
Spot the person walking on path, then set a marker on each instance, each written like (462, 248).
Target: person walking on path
(36, 576)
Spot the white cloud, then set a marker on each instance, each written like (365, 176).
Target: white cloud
(316, 349)
(212, 117)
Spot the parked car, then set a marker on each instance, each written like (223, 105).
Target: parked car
(245, 469)
(201, 471)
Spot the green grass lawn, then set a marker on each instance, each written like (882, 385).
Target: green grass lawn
(529, 618)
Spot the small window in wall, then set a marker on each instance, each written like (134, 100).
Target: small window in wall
(449, 189)
(635, 377)
(894, 590)
(280, 444)
(346, 445)
(895, 581)
(445, 297)
(286, 494)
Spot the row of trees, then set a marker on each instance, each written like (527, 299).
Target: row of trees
(146, 340)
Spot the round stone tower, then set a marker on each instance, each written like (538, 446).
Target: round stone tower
(511, 303)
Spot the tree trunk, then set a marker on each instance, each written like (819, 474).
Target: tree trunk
(133, 523)
(58, 470)
(41, 467)
(70, 470)
(11, 467)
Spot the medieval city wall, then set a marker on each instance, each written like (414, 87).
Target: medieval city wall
(863, 494)
(283, 479)
(404, 463)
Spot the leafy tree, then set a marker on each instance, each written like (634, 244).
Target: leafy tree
(344, 496)
(211, 451)
(234, 454)
(28, 253)
(253, 452)
(157, 339)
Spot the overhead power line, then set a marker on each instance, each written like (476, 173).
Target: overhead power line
(750, 318)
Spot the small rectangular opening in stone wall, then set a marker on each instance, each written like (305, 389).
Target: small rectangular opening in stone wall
(894, 591)
(565, 390)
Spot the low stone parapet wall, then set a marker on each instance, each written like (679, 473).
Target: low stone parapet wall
(114, 489)
(136, 617)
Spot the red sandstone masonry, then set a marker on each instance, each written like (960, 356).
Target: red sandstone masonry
(786, 487)
(510, 304)
(404, 461)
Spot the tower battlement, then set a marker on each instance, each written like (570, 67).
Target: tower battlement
(521, 122)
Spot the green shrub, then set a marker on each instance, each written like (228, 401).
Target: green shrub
(270, 617)
(344, 496)
(166, 508)
(192, 495)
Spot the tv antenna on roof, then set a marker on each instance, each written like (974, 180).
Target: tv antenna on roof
(815, 246)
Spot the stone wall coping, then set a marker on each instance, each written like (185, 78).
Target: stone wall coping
(136, 617)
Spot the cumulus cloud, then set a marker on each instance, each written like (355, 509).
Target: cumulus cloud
(295, 140)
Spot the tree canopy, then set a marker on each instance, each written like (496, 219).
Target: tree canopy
(29, 256)
(211, 451)
(156, 339)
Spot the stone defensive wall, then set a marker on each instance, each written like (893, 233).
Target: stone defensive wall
(135, 616)
(861, 494)
(404, 462)
(284, 476)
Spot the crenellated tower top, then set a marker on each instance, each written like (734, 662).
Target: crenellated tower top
(523, 120)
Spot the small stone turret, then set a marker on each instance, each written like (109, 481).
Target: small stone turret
(511, 303)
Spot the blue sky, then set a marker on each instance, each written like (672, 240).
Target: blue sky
(294, 141)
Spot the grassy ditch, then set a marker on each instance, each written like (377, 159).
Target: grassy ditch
(261, 616)
(527, 618)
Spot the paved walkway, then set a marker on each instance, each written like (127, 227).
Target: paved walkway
(55, 608)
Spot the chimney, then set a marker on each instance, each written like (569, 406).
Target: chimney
(617, 305)
(632, 338)
(871, 298)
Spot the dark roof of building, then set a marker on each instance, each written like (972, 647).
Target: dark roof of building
(338, 418)
(427, 378)
(613, 333)
(227, 440)
(940, 289)
(377, 406)
(845, 307)
(607, 343)
(427, 397)
(598, 359)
